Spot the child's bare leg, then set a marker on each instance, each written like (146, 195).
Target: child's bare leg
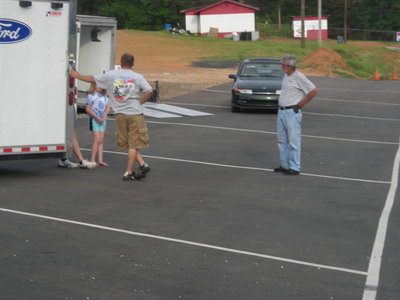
(95, 146)
(100, 149)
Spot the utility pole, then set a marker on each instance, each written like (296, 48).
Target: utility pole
(319, 23)
(345, 21)
(303, 14)
(279, 16)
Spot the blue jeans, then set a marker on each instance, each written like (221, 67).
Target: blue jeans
(288, 128)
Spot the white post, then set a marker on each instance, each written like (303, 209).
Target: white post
(303, 12)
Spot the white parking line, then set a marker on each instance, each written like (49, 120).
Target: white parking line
(247, 168)
(321, 88)
(257, 169)
(305, 112)
(356, 101)
(352, 117)
(197, 104)
(158, 114)
(175, 109)
(272, 132)
(374, 268)
(362, 91)
(163, 238)
(162, 110)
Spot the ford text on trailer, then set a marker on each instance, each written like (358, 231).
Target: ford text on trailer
(95, 48)
(37, 46)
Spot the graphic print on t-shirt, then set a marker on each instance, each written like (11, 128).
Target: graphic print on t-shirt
(122, 88)
(97, 103)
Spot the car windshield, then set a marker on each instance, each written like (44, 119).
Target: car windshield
(261, 69)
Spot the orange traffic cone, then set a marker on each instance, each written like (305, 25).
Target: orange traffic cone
(376, 75)
(394, 77)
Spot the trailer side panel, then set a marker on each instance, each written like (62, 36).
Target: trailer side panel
(33, 77)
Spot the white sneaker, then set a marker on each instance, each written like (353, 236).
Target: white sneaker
(128, 177)
(67, 164)
(84, 164)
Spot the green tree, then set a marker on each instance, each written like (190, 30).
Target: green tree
(152, 14)
(383, 14)
(90, 7)
(141, 14)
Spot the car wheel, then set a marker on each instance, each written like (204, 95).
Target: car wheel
(235, 109)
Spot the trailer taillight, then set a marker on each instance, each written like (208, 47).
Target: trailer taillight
(71, 82)
(71, 98)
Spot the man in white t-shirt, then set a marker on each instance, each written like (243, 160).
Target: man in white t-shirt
(297, 90)
(128, 91)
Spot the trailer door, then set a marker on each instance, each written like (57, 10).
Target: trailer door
(95, 49)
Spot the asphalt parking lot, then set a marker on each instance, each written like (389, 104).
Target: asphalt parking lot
(212, 220)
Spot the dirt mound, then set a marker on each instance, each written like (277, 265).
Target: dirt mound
(170, 62)
(325, 62)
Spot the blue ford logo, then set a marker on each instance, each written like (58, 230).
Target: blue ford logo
(13, 31)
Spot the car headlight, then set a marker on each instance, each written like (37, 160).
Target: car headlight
(243, 91)
(278, 92)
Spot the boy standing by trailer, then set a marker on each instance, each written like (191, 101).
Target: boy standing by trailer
(128, 91)
(97, 108)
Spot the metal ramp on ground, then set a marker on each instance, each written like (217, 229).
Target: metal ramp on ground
(160, 110)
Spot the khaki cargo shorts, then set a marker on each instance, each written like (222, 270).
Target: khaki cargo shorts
(131, 132)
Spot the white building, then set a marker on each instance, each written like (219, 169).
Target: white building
(226, 16)
(311, 27)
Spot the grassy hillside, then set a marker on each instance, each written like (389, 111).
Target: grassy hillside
(358, 59)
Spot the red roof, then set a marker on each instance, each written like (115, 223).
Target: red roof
(221, 7)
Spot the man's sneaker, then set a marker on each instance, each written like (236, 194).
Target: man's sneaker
(138, 174)
(280, 170)
(292, 172)
(128, 177)
(84, 164)
(144, 169)
(67, 164)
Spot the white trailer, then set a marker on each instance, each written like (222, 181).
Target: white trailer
(96, 38)
(37, 47)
